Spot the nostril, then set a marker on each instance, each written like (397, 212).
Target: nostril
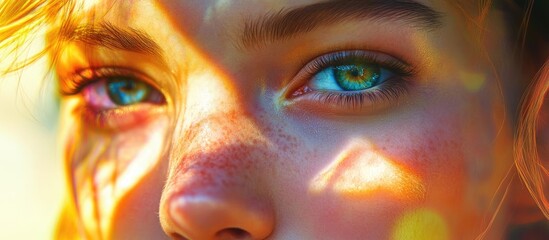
(233, 233)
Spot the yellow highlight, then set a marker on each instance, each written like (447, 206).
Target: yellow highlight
(421, 224)
(472, 81)
(360, 171)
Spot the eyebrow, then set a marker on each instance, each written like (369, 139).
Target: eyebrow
(108, 35)
(288, 23)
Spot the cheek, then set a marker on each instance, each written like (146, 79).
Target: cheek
(390, 177)
(350, 186)
(107, 170)
(136, 215)
(433, 150)
(463, 156)
(437, 155)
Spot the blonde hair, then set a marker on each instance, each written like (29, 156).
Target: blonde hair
(20, 22)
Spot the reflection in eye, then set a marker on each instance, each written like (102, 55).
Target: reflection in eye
(353, 78)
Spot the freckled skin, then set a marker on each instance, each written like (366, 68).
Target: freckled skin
(236, 153)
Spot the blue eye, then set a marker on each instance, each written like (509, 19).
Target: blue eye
(349, 80)
(111, 88)
(356, 77)
(350, 77)
(125, 91)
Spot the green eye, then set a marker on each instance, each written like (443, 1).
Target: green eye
(356, 77)
(126, 91)
(350, 77)
(344, 81)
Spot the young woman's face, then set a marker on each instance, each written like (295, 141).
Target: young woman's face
(309, 119)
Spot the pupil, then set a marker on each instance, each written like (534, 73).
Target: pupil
(128, 86)
(355, 72)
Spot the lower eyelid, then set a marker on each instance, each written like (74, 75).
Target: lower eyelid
(120, 119)
(354, 102)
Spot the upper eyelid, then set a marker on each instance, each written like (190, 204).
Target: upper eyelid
(81, 78)
(341, 57)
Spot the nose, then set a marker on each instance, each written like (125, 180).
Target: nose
(213, 191)
(206, 216)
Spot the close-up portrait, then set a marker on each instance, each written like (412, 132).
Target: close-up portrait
(275, 119)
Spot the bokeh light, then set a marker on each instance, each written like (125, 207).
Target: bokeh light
(420, 224)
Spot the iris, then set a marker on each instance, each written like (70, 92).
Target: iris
(356, 77)
(126, 91)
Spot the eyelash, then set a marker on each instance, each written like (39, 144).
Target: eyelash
(389, 90)
(83, 78)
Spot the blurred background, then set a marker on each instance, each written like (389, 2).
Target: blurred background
(31, 173)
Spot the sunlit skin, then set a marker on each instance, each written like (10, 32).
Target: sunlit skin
(360, 171)
(241, 147)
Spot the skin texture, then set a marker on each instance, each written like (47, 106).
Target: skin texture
(232, 153)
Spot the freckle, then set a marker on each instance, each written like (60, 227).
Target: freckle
(235, 152)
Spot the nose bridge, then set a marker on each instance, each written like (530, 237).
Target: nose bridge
(214, 188)
(222, 147)
(218, 119)
(210, 90)
(222, 129)
(217, 131)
